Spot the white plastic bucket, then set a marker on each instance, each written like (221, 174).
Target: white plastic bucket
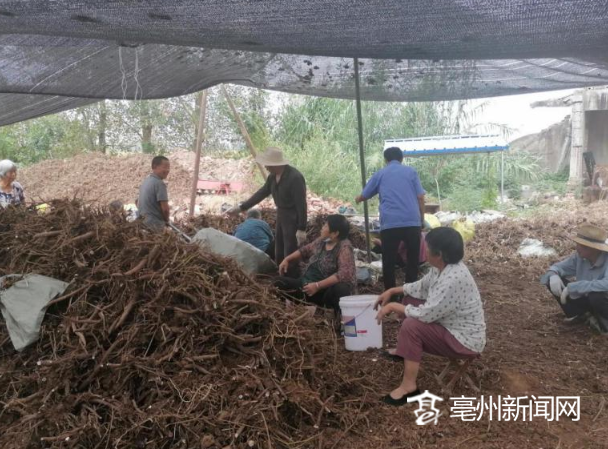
(361, 331)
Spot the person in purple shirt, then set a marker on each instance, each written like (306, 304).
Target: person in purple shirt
(401, 213)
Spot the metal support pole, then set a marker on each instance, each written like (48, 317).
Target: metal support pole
(362, 156)
(202, 99)
(502, 178)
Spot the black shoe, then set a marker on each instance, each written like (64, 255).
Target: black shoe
(388, 399)
(392, 357)
(577, 319)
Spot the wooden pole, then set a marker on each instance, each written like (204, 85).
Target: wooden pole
(202, 106)
(244, 132)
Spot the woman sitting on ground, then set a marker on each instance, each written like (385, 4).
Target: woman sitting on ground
(446, 320)
(330, 273)
(11, 191)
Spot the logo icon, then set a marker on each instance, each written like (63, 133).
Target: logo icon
(427, 412)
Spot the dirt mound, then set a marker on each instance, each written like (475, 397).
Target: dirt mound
(98, 179)
(216, 169)
(158, 344)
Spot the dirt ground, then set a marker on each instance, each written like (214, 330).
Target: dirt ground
(530, 351)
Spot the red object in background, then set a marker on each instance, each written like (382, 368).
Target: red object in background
(421, 257)
(219, 187)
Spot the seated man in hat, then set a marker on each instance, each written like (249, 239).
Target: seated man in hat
(580, 282)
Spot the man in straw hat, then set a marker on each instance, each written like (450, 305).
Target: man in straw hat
(585, 297)
(288, 189)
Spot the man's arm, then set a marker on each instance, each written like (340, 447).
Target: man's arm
(564, 268)
(421, 205)
(582, 287)
(258, 196)
(370, 189)
(420, 192)
(164, 209)
(162, 196)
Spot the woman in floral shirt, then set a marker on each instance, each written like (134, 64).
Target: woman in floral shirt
(330, 272)
(443, 313)
(11, 191)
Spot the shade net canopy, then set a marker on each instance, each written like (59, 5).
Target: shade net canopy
(63, 54)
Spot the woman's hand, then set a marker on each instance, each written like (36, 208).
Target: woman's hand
(311, 289)
(385, 297)
(283, 267)
(384, 311)
(393, 307)
(382, 300)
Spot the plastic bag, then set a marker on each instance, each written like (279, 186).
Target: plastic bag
(466, 228)
(432, 221)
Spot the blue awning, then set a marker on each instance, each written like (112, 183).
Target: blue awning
(438, 145)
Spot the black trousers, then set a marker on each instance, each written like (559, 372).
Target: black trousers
(285, 241)
(595, 303)
(328, 298)
(390, 244)
(270, 250)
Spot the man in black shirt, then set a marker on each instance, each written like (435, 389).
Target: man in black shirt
(288, 189)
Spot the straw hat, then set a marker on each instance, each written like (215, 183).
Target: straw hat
(272, 157)
(592, 236)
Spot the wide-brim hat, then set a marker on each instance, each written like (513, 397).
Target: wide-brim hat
(272, 157)
(592, 237)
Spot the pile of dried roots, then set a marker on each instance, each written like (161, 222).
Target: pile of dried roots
(224, 223)
(496, 244)
(157, 344)
(356, 236)
(228, 225)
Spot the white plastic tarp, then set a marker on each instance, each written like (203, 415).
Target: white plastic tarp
(250, 259)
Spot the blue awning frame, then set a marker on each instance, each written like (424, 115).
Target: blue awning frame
(454, 144)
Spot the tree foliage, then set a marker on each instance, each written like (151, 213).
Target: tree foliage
(319, 136)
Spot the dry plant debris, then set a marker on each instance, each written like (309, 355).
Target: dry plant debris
(157, 344)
